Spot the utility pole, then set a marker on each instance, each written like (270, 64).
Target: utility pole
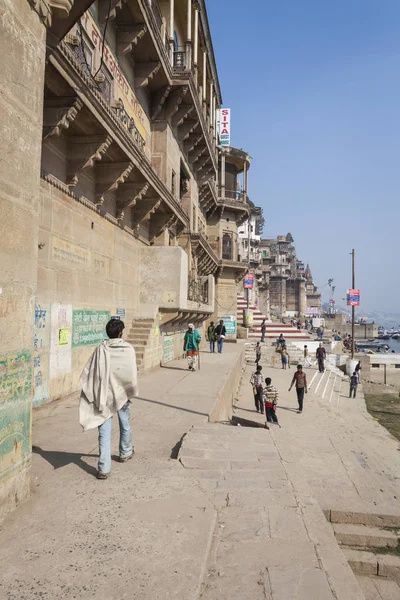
(353, 283)
(248, 256)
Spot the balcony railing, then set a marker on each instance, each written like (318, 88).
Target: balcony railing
(179, 58)
(198, 291)
(235, 195)
(156, 12)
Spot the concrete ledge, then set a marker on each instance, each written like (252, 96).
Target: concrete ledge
(341, 578)
(361, 518)
(14, 488)
(222, 409)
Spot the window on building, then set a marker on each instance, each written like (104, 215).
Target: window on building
(105, 86)
(397, 366)
(264, 253)
(227, 246)
(375, 366)
(173, 182)
(84, 51)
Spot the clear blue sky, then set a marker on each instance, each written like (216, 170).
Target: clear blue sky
(314, 88)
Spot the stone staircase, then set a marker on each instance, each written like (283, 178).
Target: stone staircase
(273, 329)
(139, 336)
(371, 545)
(329, 386)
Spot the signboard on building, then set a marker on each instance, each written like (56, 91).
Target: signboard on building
(168, 348)
(130, 111)
(89, 327)
(224, 126)
(248, 282)
(353, 297)
(60, 341)
(311, 311)
(230, 323)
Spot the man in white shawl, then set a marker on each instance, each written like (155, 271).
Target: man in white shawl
(108, 382)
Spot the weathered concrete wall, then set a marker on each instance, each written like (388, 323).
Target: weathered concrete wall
(88, 271)
(222, 409)
(225, 298)
(381, 368)
(22, 41)
(277, 295)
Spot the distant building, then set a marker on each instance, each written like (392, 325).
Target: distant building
(313, 297)
(284, 288)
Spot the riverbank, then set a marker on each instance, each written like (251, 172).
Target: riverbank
(383, 404)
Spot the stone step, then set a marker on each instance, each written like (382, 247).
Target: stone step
(368, 563)
(355, 517)
(137, 338)
(363, 536)
(140, 328)
(378, 588)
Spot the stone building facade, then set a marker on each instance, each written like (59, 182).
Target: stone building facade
(285, 286)
(115, 196)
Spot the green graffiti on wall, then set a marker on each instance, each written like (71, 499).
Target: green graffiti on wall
(15, 408)
(15, 375)
(89, 327)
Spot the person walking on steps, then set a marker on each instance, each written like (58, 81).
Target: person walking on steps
(191, 345)
(211, 336)
(258, 353)
(220, 332)
(307, 359)
(358, 371)
(257, 382)
(284, 358)
(281, 342)
(263, 330)
(300, 381)
(321, 356)
(108, 384)
(271, 398)
(353, 385)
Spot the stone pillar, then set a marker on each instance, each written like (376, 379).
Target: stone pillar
(189, 36)
(222, 185)
(245, 181)
(214, 112)
(204, 78)
(302, 297)
(282, 299)
(23, 41)
(211, 107)
(171, 29)
(196, 40)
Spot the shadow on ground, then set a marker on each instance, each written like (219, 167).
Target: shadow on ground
(61, 459)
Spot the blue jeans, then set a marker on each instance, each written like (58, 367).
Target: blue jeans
(220, 344)
(212, 346)
(125, 438)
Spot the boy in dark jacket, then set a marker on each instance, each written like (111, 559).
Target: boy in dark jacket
(353, 384)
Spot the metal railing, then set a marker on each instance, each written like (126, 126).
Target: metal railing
(198, 290)
(156, 12)
(179, 58)
(235, 195)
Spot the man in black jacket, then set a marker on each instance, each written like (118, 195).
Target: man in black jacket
(320, 355)
(220, 332)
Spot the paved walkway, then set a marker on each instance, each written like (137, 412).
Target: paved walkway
(242, 519)
(143, 534)
(334, 450)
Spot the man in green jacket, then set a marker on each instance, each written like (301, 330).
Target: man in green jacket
(191, 344)
(211, 336)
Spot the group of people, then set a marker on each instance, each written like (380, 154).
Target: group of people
(266, 396)
(192, 339)
(216, 334)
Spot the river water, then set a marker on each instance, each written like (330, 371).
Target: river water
(394, 344)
